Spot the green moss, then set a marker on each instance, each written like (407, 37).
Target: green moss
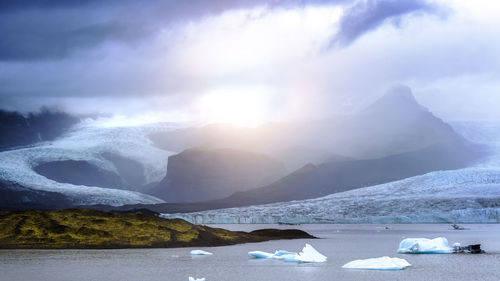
(96, 229)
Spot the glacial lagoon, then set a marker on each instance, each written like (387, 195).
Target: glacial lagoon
(340, 243)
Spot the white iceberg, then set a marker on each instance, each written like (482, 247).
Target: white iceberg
(196, 279)
(425, 246)
(200, 253)
(382, 263)
(308, 254)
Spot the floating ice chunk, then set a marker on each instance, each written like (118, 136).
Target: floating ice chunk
(279, 255)
(196, 279)
(284, 255)
(200, 253)
(382, 263)
(308, 254)
(425, 246)
(260, 255)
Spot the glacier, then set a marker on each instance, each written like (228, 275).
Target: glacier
(86, 142)
(468, 195)
(437, 245)
(382, 263)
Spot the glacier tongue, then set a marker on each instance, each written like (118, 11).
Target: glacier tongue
(86, 142)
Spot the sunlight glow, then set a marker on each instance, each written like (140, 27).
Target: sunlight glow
(248, 107)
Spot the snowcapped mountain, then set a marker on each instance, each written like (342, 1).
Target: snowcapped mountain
(88, 141)
(465, 195)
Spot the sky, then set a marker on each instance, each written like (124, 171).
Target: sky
(248, 61)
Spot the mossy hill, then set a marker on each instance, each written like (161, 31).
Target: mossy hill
(81, 229)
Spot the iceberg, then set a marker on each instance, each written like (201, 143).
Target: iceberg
(382, 263)
(279, 255)
(200, 253)
(260, 255)
(425, 246)
(284, 255)
(308, 254)
(196, 279)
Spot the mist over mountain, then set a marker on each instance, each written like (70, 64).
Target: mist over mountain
(316, 181)
(199, 174)
(222, 165)
(19, 130)
(393, 124)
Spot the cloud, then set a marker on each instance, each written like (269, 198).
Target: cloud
(48, 30)
(134, 57)
(366, 16)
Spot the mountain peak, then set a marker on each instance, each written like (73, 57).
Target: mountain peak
(400, 92)
(397, 99)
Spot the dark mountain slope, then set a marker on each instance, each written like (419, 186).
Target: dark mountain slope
(314, 181)
(79, 173)
(131, 171)
(16, 197)
(18, 130)
(200, 175)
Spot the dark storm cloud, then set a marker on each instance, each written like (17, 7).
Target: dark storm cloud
(94, 55)
(7, 6)
(365, 16)
(49, 40)
(47, 30)
(41, 30)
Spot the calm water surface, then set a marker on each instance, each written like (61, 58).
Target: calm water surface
(340, 243)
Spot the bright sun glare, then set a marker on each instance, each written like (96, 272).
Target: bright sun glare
(239, 107)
